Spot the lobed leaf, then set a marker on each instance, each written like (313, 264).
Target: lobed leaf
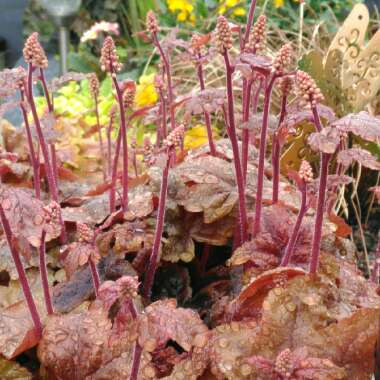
(363, 157)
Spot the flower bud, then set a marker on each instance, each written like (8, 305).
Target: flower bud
(85, 233)
(307, 89)
(152, 23)
(175, 138)
(34, 52)
(129, 96)
(256, 42)
(52, 213)
(223, 35)
(306, 172)
(283, 59)
(109, 60)
(93, 84)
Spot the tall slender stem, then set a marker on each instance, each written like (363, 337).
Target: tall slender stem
(296, 229)
(32, 154)
(317, 236)
(49, 172)
(153, 260)
(276, 150)
(109, 148)
(206, 114)
(46, 91)
(123, 131)
(248, 27)
(247, 89)
(114, 173)
(161, 133)
(235, 150)
(100, 137)
(262, 151)
(94, 275)
(167, 69)
(376, 265)
(44, 274)
(21, 273)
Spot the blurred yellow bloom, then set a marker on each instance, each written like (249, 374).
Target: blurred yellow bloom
(183, 8)
(279, 3)
(146, 93)
(227, 4)
(197, 136)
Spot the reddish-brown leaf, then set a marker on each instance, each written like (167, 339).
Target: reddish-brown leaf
(361, 156)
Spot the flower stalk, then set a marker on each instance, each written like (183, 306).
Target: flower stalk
(305, 175)
(173, 141)
(224, 43)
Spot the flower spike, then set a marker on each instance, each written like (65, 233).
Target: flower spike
(34, 52)
(109, 60)
(307, 89)
(223, 35)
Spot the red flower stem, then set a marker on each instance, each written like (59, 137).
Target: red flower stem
(153, 260)
(135, 163)
(262, 151)
(94, 275)
(247, 89)
(251, 14)
(376, 265)
(317, 236)
(32, 154)
(114, 173)
(206, 114)
(100, 138)
(167, 69)
(21, 273)
(44, 274)
(46, 91)
(276, 150)
(163, 131)
(235, 150)
(44, 148)
(136, 361)
(51, 110)
(296, 229)
(123, 132)
(109, 147)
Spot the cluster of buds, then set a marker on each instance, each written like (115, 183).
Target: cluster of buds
(282, 60)
(285, 85)
(223, 35)
(148, 151)
(256, 42)
(283, 365)
(129, 96)
(109, 60)
(152, 23)
(307, 89)
(85, 233)
(93, 83)
(306, 172)
(175, 137)
(52, 213)
(128, 286)
(34, 53)
(113, 112)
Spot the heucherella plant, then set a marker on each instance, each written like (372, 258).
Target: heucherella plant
(172, 142)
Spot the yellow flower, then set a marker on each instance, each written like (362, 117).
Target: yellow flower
(197, 136)
(146, 93)
(279, 3)
(225, 5)
(183, 8)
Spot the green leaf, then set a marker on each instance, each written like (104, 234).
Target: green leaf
(13, 371)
